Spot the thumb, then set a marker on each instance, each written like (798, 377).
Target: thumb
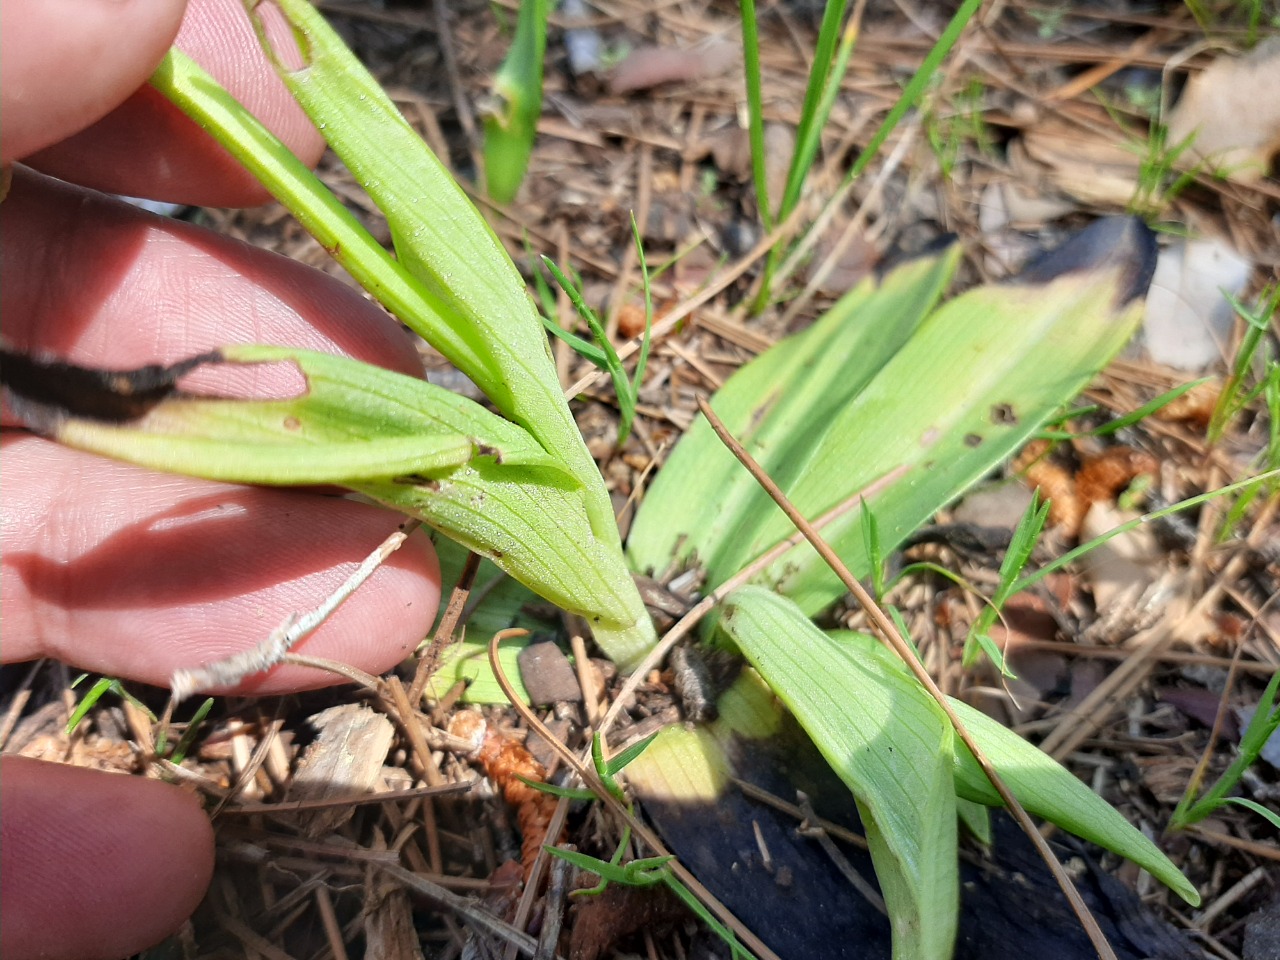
(94, 864)
(66, 63)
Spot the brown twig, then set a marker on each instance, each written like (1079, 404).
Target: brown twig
(429, 662)
(691, 619)
(889, 633)
(274, 649)
(669, 320)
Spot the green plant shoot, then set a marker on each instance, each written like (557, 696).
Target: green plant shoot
(1016, 558)
(1264, 723)
(511, 123)
(452, 282)
(644, 872)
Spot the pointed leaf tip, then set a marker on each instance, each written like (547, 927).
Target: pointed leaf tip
(1109, 242)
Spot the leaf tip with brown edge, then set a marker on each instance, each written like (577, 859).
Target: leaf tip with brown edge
(1124, 242)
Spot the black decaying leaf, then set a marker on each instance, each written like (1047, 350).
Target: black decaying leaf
(756, 860)
(44, 392)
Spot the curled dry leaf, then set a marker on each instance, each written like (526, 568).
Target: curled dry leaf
(1102, 478)
(648, 67)
(1124, 571)
(1196, 406)
(1099, 480)
(1075, 162)
(1055, 483)
(1233, 110)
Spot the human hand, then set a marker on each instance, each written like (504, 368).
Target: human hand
(134, 574)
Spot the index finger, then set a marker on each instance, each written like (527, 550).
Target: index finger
(146, 147)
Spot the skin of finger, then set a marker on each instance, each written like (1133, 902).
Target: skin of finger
(66, 63)
(136, 574)
(95, 865)
(147, 148)
(95, 281)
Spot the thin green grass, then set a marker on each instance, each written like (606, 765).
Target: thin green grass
(602, 353)
(1025, 537)
(1118, 423)
(101, 687)
(755, 108)
(1234, 397)
(1211, 18)
(512, 123)
(1029, 580)
(104, 685)
(643, 872)
(824, 84)
(1013, 580)
(1265, 722)
(1161, 178)
(961, 129)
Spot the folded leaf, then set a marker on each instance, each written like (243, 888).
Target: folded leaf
(532, 525)
(451, 281)
(422, 450)
(511, 123)
(888, 741)
(353, 421)
(1041, 784)
(487, 325)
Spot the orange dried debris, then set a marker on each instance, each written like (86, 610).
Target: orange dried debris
(505, 760)
(1100, 479)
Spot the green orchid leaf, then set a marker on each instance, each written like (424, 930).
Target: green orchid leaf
(778, 407)
(976, 817)
(352, 422)
(530, 523)
(451, 281)
(1041, 784)
(487, 326)
(419, 449)
(970, 384)
(468, 661)
(485, 323)
(889, 743)
(505, 603)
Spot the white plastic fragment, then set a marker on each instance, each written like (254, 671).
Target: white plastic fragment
(1188, 320)
(582, 44)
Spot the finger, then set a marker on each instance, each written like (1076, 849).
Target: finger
(136, 574)
(146, 147)
(66, 63)
(95, 281)
(94, 865)
(98, 282)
